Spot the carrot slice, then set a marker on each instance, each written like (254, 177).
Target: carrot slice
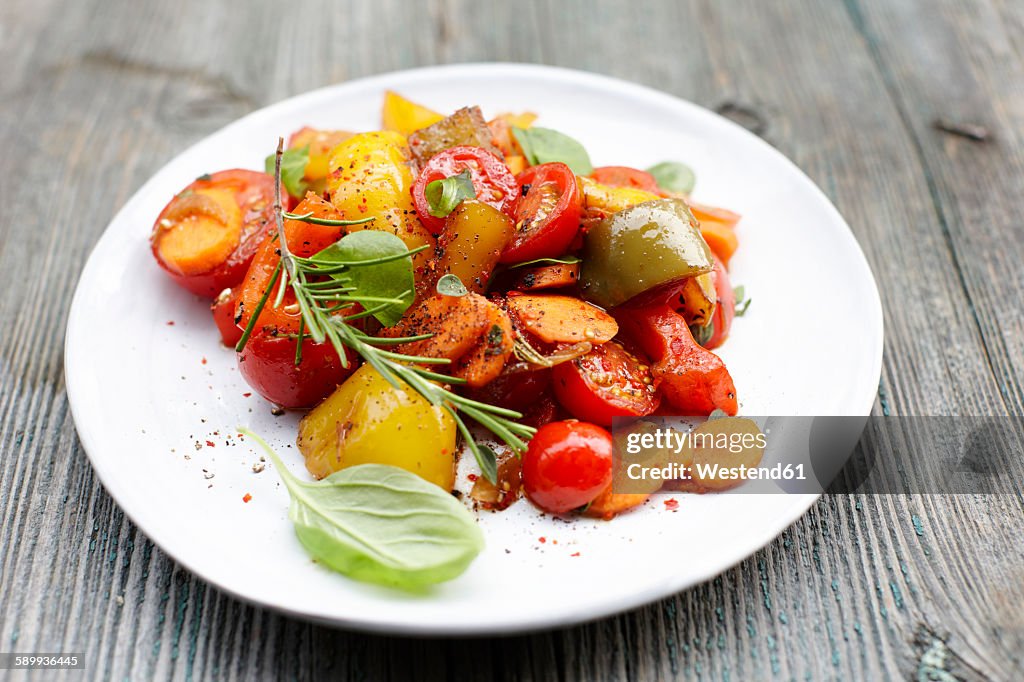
(562, 319)
(721, 238)
(199, 231)
(704, 212)
(485, 360)
(608, 504)
(549, 276)
(472, 332)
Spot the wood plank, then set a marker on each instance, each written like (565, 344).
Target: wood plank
(98, 95)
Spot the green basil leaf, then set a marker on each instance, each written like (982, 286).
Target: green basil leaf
(673, 176)
(382, 278)
(381, 524)
(564, 260)
(487, 459)
(543, 145)
(444, 195)
(451, 285)
(293, 170)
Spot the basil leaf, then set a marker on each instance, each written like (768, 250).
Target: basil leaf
(543, 145)
(673, 176)
(293, 170)
(741, 303)
(381, 524)
(451, 285)
(382, 278)
(444, 195)
(564, 260)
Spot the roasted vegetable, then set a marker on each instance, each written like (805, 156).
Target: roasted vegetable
(562, 319)
(640, 248)
(369, 421)
(370, 177)
(720, 238)
(404, 116)
(320, 143)
(466, 127)
(601, 200)
(692, 378)
(553, 276)
(749, 451)
(474, 236)
(472, 332)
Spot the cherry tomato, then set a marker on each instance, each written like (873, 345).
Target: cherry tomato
(567, 465)
(725, 311)
(492, 180)
(548, 213)
(624, 176)
(607, 382)
(267, 363)
(223, 309)
(207, 234)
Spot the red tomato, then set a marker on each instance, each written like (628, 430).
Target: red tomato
(223, 309)
(624, 176)
(517, 391)
(692, 378)
(567, 465)
(607, 382)
(492, 180)
(268, 360)
(725, 311)
(547, 215)
(267, 363)
(206, 236)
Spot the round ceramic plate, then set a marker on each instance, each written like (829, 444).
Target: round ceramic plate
(157, 409)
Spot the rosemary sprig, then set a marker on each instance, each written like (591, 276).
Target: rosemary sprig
(320, 300)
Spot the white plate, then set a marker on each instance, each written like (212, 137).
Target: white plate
(147, 396)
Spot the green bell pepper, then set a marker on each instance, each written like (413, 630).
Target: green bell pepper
(640, 248)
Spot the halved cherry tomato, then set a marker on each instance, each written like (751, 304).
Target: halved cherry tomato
(223, 309)
(691, 377)
(607, 382)
(566, 465)
(207, 234)
(492, 180)
(624, 176)
(548, 213)
(267, 361)
(725, 311)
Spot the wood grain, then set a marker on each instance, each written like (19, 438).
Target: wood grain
(97, 95)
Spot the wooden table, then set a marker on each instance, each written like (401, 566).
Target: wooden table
(96, 95)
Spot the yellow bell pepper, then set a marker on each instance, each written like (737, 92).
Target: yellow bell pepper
(368, 421)
(404, 116)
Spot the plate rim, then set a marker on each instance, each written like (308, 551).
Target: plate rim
(540, 621)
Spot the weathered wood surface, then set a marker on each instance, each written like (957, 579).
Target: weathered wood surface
(98, 94)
